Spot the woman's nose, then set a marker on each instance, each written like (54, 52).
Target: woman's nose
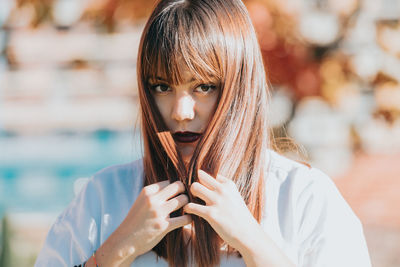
(183, 108)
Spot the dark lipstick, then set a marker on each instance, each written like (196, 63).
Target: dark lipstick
(186, 137)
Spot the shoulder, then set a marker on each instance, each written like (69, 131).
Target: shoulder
(131, 169)
(117, 183)
(288, 173)
(104, 184)
(91, 216)
(119, 177)
(306, 208)
(304, 188)
(306, 200)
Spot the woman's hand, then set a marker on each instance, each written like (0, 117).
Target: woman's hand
(228, 215)
(225, 209)
(147, 222)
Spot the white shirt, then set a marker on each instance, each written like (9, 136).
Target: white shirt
(304, 214)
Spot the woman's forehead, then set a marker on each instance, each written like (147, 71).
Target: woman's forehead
(186, 76)
(180, 67)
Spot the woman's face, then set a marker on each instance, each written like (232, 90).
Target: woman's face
(186, 109)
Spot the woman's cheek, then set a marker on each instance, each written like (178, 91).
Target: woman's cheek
(206, 106)
(165, 108)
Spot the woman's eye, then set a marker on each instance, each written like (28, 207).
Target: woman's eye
(160, 88)
(206, 88)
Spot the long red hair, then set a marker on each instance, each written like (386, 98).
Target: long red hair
(215, 39)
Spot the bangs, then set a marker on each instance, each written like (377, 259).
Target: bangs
(180, 40)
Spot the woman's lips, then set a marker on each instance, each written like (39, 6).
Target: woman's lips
(186, 137)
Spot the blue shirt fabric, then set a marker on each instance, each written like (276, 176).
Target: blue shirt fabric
(305, 215)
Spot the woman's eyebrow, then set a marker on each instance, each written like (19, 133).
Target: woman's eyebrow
(154, 79)
(193, 79)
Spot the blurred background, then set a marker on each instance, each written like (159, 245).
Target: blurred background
(69, 104)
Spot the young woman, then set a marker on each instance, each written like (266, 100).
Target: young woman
(209, 190)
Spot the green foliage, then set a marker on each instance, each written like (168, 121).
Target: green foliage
(5, 255)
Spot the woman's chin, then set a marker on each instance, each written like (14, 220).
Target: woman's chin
(187, 151)
(186, 159)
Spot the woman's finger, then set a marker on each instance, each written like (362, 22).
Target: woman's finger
(179, 221)
(156, 187)
(176, 203)
(202, 192)
(207, 180)
(171, 190)
(221, 178)
(197, 209)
